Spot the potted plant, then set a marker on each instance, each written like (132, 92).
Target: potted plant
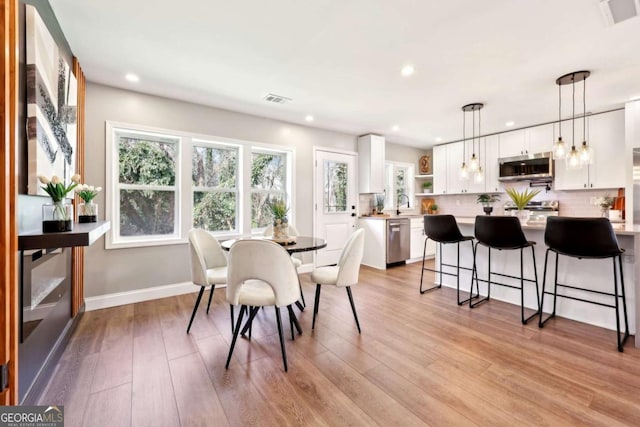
(521, 199)
(279, 212)
(433, 209)
(487, 200)
(87, 211)
(426, 186)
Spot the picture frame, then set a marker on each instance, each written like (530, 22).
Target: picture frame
(425, 164)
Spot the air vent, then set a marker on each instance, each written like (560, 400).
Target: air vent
(278, 99)
(616, 11)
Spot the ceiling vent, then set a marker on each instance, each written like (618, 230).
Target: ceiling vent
(272, 97)
(616, 11)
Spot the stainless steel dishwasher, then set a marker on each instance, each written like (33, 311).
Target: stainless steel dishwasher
(398, 240)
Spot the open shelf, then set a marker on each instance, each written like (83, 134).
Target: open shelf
(82, 235)
(423, 176)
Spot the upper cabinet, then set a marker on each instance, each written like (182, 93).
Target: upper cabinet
(439, 163)
(371, 157)
(521, 142)
(606, 137)
(491, 167)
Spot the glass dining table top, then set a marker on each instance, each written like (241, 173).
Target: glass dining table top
(302, 243)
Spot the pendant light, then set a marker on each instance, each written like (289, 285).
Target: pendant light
(586, 153)
(479, 176)
(572, 158)
(464, 170)
(559, 147)
(474, 163)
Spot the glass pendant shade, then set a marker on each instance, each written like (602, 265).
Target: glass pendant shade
(573, 160)
(474, 164)
(559, 149)
(586, 154)
(479, 176)
(464, 172)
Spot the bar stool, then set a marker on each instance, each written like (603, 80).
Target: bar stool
(590, 238)
(443, 229)
(503, 233)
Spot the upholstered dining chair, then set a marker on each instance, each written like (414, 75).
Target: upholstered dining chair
(208, 266)
(268, 232)
(343, 275)
(250, 284)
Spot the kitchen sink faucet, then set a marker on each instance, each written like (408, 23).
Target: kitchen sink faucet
(399, 201)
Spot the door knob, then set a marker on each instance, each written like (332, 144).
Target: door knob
(353, 214)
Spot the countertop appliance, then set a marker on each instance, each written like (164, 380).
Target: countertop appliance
(398, 240)
(531, 166)
(539, 210)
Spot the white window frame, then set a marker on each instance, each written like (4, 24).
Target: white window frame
(289, 181)
(208, 143)
(391, 169)
(184, 185)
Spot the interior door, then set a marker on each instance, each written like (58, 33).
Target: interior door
(334, 202)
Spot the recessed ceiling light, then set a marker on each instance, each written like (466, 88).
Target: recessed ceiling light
(132, 78)
(438, 139)
(395, 128)
(309, 118)
(509, 124)
(407, 70)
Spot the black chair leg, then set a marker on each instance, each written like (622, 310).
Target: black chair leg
(315, 307)
(424, 255)
(475, 268)
(231, 310)
(624, 302)
(535, 275)
(247, 326)
(304, 303)
(213, 287)
(195, 308)
(235, 335)
(544, 286)
(284, 352)
(294, 320)
(353, 308)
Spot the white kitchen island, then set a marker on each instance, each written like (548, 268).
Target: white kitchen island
(589, 273)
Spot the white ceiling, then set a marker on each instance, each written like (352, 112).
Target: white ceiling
(340, 60)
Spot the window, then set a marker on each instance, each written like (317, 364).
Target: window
(335, 186)
(146, 192)
(214, 176)
(399, 188)
(268, 182)
(161, 183)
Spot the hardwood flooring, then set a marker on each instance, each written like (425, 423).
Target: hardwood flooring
(421, 360)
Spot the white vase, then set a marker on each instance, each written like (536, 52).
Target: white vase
(523, 215)
(281, 229)
(57, 217)
(87, 212)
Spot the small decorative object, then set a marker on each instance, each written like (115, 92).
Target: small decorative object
(605, 204)
(521, 199)
(426, 186)
(425, 164)
(57, 216)
(379, 200)
(279, 211)
(487, 201)
(426, 204)
(87, 211)
(433, 209)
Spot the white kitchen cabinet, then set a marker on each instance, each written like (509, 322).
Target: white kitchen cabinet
(533, 140)
(371, 158)
(375, 249)
(417, 241)
(439, 163)
(454, 162)
(491, 168)
(605, 136)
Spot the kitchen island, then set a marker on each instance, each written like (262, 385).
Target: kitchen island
(593, 273)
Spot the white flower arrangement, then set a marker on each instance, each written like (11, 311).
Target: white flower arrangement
(87, 192)
(604, 202)
(57, 189)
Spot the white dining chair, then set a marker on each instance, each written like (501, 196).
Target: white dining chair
(261, 274)
(344, 274)
(268, 232)
(208, 266)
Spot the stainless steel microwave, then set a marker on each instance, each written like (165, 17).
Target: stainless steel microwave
(530, 166)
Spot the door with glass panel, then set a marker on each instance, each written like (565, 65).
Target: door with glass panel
(334, 202)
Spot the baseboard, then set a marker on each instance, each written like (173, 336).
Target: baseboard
(156, 292)
(138, 295)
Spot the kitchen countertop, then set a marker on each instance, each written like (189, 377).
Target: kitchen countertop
(408, 216)
(622, 229)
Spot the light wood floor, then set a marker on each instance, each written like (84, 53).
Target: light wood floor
(421, 360)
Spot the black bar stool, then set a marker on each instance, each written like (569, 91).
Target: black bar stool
(503, 233)
(590, 238)
(443, 229)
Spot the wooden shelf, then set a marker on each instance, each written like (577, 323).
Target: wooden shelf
(82, 235)
(423, 194)
(423, 176)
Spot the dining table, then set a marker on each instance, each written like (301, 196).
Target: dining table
(300, 244)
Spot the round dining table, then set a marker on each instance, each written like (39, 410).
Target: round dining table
(302, 243)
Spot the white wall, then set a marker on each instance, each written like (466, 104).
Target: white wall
(122, 270)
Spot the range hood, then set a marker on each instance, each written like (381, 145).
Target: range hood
(537, 166)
